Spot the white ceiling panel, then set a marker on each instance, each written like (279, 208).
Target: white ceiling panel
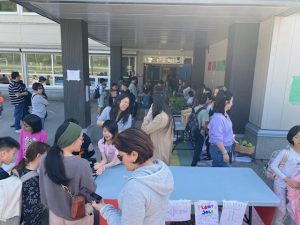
(162, 24)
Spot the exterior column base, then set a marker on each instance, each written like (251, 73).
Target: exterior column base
(266, 141)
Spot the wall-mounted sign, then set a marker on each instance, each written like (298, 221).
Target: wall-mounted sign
(294, 97)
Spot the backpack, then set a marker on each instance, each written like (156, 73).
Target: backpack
(269, 173)
(96, 93)
(192, 128)
(11, 196)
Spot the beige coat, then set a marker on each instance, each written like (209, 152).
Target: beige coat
(161, 136)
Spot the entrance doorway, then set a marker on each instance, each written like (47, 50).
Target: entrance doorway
(170, 73)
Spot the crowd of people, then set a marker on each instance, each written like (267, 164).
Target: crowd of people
(45, 179)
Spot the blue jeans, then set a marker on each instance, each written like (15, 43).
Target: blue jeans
(217, 156)
(197, 151)
(18, 115)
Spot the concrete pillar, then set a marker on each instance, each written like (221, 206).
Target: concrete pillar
(115, 63)
(74, 45)
(273, 109)
(239, 74)
(198, 69)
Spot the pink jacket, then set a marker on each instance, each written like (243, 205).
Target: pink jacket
(26, 138)
(293, 196)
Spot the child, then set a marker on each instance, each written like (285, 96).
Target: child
(9, 185)
(107, 149)
(1, 104)
(31, 132)
(32, 209)
(285, 175)
(39, 102)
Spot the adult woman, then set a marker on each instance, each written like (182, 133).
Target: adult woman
(220, 130)
(159, 125)
(119, 112)
(61, 168)
(144, 198)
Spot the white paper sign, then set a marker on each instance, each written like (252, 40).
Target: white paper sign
(179, 210)
(233, 213)
(206, 213)
(73, 75)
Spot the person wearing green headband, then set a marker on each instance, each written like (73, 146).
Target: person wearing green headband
(61, 167)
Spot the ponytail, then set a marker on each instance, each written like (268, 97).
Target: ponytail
(54, 165)
(21, 166)
(33, 150)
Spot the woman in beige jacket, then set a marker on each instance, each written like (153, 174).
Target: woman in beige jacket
(159, 125)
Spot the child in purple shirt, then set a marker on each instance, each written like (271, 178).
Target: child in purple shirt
(220, 130)
(107, 149)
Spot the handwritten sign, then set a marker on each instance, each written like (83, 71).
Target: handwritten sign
(73, 75)
(206, 213)
(233, 213)
(179, 210)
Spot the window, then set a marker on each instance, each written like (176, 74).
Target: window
(9, 62)
(7, 6)
(99, 65)
(39, 64)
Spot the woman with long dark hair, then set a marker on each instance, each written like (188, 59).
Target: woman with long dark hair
(119, 112)
(61, 168)
(32, 208)
(144, 199)
(220, 130)
(159, 125)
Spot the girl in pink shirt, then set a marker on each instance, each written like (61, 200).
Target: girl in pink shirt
(31, 132)
(107, 149)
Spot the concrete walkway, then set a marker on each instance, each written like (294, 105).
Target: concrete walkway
(56, 117)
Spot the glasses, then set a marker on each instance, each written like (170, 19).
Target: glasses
(120, 157)
(40, 88)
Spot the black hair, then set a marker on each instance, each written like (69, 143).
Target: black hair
(71, 120)
(159, 106)
(36, 85)
(134, 139)
(116, 107)
(14, 75)
(32, 151)
(102, 80)
(221, 99)
(112, 127)
(114, 84)
(125, 83)
(54, 165)
(34, 122)
(202, 99)
(7, 143)
(292, 133)
(191, 93)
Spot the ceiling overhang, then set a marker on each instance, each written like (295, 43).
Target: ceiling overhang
(161, 24)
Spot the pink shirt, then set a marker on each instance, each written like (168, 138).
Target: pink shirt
(109, 150)
(26, 138)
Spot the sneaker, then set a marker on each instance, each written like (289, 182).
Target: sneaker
(12, 125)
(18, 131)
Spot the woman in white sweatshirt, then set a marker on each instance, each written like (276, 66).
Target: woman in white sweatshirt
(144, 198)
(284, 175)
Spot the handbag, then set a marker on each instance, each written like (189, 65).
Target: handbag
(77, 204)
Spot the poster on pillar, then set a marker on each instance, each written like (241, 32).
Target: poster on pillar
(294, 97)
(73, 75)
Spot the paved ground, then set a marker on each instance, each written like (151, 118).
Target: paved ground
(56, 117)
